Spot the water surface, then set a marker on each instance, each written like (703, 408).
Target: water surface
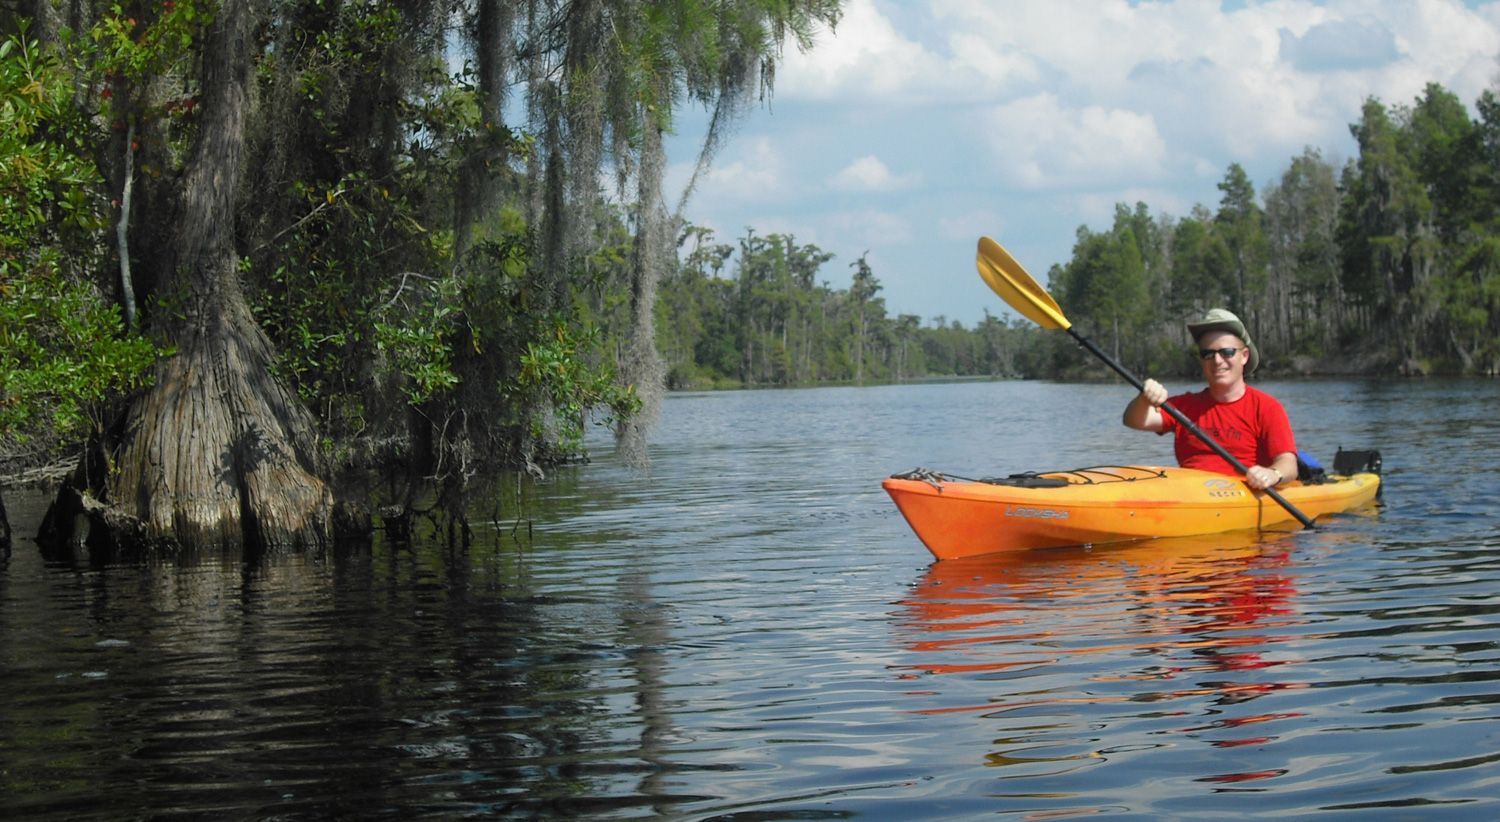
(751, 632)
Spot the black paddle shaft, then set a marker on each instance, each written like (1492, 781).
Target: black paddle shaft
(1188, 424)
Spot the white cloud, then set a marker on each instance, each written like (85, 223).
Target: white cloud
(1001, 66)
(869, 227)
(1039, 143)
(870, 174)
(756, 177)
(1242, 78)
(1445, 42)
(865, 57)
(1248, 81)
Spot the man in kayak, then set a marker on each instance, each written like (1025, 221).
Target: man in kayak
(1249, 423)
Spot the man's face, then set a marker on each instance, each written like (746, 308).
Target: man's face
(1218, 370)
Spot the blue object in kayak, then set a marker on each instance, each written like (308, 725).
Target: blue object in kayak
(1309, 470)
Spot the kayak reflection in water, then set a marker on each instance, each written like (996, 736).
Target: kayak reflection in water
(1156, 619)
(1248, 422)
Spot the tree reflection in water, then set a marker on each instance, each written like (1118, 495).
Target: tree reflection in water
(345, 684)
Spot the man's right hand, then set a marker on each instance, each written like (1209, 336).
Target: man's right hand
(1154, 393)
(1144, 410)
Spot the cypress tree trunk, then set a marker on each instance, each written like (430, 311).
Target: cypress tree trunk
(44, 19)
(642, 365)
(218, 452)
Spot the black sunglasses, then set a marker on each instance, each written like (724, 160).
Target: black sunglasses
(1208, 353)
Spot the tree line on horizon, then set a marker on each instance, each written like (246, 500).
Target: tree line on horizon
(759, 313)
(1389, 264)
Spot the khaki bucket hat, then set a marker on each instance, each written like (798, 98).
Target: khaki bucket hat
(1218, 319)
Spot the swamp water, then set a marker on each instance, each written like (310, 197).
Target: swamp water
(752, 632)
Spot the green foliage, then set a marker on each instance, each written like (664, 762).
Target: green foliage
(1200, 268)
(130, 48)
(1113, 283)
(44, 179)
(349, 263)
(552, 368)
(63, 358)
(755, 313)
(364, 140)
(63, 354)
(139, 40)
(1239, 224)
(335, 311)
(563, 370)
(416, 337)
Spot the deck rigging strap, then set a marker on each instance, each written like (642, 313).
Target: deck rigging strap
(1100, 474)
(1032, 479)
(1029, 479)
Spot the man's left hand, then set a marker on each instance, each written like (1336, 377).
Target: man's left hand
(1260, 477)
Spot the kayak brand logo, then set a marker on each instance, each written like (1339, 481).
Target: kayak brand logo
(1035, 513)
(1223, 488)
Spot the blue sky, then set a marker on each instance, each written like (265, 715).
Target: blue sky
(917, 126)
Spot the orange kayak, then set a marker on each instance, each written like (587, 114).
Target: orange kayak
(961, 518)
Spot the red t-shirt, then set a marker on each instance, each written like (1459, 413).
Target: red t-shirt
(1254, 428)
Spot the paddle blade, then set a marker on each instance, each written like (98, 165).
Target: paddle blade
(1007, 278)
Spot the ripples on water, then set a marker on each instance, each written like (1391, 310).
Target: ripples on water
(752, 633)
